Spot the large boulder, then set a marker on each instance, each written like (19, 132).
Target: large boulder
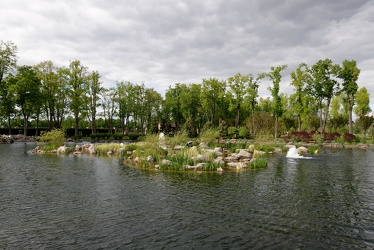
(63, 150)
(244, 155)
(4, 139)
(302, 150)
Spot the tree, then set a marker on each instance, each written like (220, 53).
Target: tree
(26, 87)
(300, 78)
(77, 82)
(275, 76)
(8, 58)
(362, 102)
(53, 90)
(94, 91)
(109, 105)
(349, 73)
(152, 105)
(7, 104)
(211, 97)
(253, 85)
(323, 86)
(338, 113)
(191, 107)
(238, 85)
(173, 104)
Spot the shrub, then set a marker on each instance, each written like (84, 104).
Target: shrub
(301, 136)
(209, 135)
(258, 163)
(243, 133)
(313, 149)
(103, 149)
(53, 139)
(133, 136)
(317, 138)
(349, 137)
(232, 132)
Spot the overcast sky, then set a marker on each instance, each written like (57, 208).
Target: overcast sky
(163, 42)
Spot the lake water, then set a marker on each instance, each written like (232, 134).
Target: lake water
(82, 202)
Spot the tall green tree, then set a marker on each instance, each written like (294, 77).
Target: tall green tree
(238, 87)
(124, 100)
(212, 98)
(362, 102)
(349, 73)
(276, 76)
(8, 58)
(300, 78)
(26, 87)
(7, 103)
(53, 90)
(109, 106)
(191, 107)
(253, 85)
(323, 86)
(152, 106)
(77, 82)
(173, 105)
(94, 91)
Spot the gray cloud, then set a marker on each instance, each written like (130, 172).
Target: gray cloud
(163, 42)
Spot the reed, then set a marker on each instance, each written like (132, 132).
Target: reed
(103, 149)
(258, 163)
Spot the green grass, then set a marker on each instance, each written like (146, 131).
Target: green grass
(313, 149)
(178, 162)
(258, 163)
(103, 149)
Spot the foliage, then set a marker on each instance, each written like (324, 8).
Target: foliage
(106, 136)
(131, 147)
(133, 136)
(313, 149)
(349, 137)
(362, 102)
(103, 149)
(258, 163)
(232, 132)
(365, 122)
(209, 135)
(53, 139)
(243, 133)
(179, 138)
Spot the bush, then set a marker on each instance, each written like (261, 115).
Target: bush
(349, 137)
(232, 132)
(134, 136)
(258, 163)
(243, 133)
(53, 139)
(301, 136)
(209, 135)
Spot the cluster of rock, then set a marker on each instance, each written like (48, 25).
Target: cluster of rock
(78, 149)
(238, 160)
(4, 139)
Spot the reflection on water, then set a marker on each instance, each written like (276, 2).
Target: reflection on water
(81, 202)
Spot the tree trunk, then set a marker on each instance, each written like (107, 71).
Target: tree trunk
(350, 124)
(25, 119)
(9, 126)
(93, 125)
(237, 116)
(276, 127)
(76, 125)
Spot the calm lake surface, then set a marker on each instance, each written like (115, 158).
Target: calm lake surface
(82, 202)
